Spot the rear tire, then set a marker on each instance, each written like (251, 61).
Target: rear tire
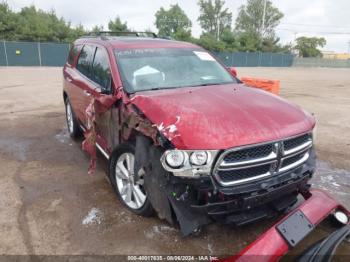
(121, 174)
(73, 127)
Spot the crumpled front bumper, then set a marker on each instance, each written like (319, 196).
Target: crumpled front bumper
(271, 246)
(253, 201)
(198, 202)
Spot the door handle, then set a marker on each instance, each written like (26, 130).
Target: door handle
(87, 93)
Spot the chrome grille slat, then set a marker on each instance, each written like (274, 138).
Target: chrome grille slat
(295, 164)
(307, 144)
(271, 156)
(241, 165)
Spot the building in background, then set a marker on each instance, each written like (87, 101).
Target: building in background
(334, 55)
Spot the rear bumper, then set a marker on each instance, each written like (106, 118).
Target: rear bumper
(270, 246)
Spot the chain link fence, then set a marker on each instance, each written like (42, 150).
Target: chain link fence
(55, 54)
(32, 53)
(321, 62)
(245, 59)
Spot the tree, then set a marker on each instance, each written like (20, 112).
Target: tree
(250, 19)
(117, 25)
(173, 23)
(308, 46)
(32, 24)
(8, 22)
(210, 43)
(97, 28)
(214, 19)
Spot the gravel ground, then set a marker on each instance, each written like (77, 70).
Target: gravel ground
(50, 206)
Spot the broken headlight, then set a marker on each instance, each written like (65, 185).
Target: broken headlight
(175, 158)
(188, 163)
(198, 158)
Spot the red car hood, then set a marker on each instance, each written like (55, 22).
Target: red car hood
(221, 116)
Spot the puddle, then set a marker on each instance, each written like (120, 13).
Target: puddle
(333, 180)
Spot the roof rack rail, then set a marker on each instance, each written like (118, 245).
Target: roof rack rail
(105, 34)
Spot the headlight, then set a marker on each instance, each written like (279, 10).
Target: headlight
(199, 158)
(188, 163)
(175, 158)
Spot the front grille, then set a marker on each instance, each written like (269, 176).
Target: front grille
(294, 142)
(244, 173)
(249, 153)
(290, 160)
(238, 166)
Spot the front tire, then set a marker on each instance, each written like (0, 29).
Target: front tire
(72, 123)
(121, 174)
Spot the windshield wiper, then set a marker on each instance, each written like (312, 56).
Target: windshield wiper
(210, 84)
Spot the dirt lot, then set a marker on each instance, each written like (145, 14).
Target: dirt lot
(49, 205)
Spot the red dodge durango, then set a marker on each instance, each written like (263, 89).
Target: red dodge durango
(184, 137)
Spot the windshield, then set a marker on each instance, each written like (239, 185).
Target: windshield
(161, 68)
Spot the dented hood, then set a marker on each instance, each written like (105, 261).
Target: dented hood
(221, 116)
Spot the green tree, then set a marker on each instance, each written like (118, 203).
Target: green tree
(214, 18)
(250, 19)
(173, 23)
(117, 25)
(210, 43)
(97, 28)
(8, 22)
(308, 46)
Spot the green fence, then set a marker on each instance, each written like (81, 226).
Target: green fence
(55, 54)
(32, 53)
(321, 62)
(245, 59)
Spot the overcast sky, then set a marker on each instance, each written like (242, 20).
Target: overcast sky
(301, 17)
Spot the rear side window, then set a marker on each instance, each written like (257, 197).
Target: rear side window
(85, 60)
(73, 53)
(101, 73)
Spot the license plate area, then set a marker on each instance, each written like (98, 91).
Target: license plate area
(295, 228)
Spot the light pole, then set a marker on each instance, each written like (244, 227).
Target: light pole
(263, 18)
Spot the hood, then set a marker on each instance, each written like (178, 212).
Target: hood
(221, 116)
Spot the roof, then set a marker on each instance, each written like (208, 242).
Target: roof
(122, 42)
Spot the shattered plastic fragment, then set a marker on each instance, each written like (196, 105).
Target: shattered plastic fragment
(89, 144)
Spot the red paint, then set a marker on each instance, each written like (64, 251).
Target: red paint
(270, 246)
(222, 116)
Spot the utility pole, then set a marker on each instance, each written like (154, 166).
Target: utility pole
(218, 30)
(263, 18)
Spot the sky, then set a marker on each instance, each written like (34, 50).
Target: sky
(326, 18)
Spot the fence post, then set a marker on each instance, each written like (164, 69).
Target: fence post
(271, 59)
(7, 61)
(39, 53)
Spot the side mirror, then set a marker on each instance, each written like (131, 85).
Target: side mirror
(233, 71)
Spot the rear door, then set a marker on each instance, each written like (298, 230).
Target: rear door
(69, 74)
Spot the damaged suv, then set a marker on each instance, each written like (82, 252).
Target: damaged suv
(185, 139)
